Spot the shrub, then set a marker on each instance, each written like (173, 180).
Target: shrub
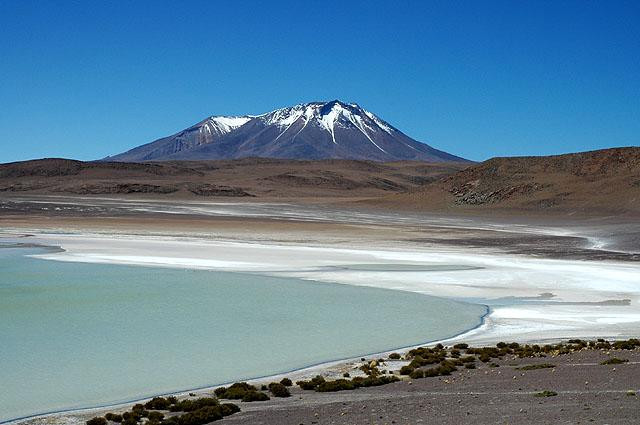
(455, 353)
(133, 416)
(629, 344)
(158, 403)
(394, 356)
(220, 391)
(113, 417)
(198, 417)
(236, 391)
(137, 406)
(614, 360)
(546, 393)
(406, 370)
(279, 390)
(97, 421)
(416, 374)
(346, 375)
(461, 346)
(337, 385)
(192, 405)
(251, 396)
(286, 382)
(156, 416)
(264, 388)
(312, 384)
(229, 409)
(375, 381)
(432, 372)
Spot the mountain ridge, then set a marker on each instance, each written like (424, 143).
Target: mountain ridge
(604, 181)
(314, 130)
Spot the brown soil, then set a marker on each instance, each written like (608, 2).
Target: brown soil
(233, 178)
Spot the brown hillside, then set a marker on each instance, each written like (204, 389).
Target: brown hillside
(598, 182)
(251, 177)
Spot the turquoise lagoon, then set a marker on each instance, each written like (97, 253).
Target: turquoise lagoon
(76, 335)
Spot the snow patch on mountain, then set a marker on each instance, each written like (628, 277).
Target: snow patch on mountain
(220, 125)
(337, 115)
(379, 122)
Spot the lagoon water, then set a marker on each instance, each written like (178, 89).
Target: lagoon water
(76, 335)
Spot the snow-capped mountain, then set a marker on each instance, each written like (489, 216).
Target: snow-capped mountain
(317, 130)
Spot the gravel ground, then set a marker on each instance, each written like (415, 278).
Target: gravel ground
(588, 392)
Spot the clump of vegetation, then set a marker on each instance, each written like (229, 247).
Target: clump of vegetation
(312, 384)
(201, 416)
(132, 417)
(346, 375)
(546, 393)
(192, 405)
(614, 360)
(236, 391)
(251, 396)
(286, 382)
(229, 409)
(416, 374)
(337, 385)
(279, 390)
(321, 385)
(113, 417)
(537, 366)
(629, 344)
(394, 356)
(631, 393)
(461, 346)
(196, 412)
(160, 403)
(155, 417)
(406, 370)
(444, 368)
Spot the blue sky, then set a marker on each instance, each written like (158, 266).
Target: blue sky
(83, 79)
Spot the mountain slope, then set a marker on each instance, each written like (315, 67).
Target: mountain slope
(597, 182)
(317, 130)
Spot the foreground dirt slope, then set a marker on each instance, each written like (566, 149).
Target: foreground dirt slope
(605, 182)
(237, 178)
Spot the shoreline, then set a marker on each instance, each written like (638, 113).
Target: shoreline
(483, 333)
(299, 373)
(323, 367)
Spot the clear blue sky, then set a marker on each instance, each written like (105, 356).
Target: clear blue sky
(85, 79)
